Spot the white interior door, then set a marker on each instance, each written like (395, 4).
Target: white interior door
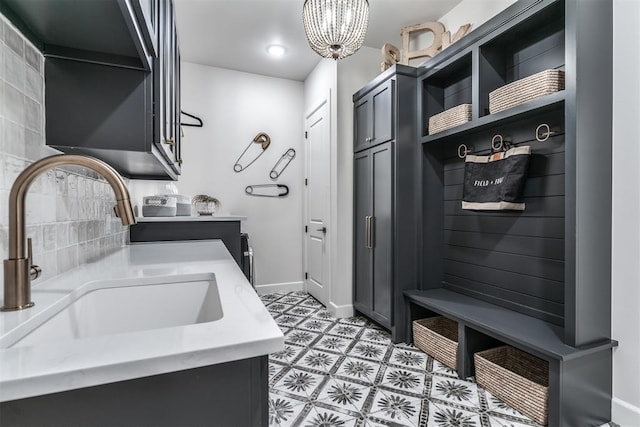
(318, 202)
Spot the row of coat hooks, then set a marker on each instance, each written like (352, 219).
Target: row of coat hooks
(498, 143)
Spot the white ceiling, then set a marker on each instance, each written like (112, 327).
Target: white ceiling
(234, 34)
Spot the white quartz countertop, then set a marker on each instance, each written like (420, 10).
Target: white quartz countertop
(191, 218)
(245, 330)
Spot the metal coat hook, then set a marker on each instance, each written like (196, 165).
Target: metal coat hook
(282, 163)
(497, 142)
(267, 190)
(264, 140)
(546, 132)
(463, 150)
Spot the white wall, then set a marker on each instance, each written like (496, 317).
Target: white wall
(474, 12)
(341, 79)
(353, 73)
(625, 278)
(235, 107)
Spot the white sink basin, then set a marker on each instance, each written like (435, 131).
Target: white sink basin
(124, 306)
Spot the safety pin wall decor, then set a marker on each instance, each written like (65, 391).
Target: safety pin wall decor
(282, 163)
(267, 190)
(242, 163)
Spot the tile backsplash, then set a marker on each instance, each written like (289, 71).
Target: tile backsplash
(68, 211)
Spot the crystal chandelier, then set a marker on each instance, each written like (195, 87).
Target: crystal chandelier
(335, 28)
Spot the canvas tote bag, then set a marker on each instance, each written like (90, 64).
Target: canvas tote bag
(496, 181)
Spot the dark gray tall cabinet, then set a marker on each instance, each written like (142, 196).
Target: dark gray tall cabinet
(386, 162)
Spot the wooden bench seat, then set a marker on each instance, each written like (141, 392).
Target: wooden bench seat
(577, 376)
(535, 336)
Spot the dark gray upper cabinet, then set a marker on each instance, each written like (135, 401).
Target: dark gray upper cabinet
(101, 31)
(112, 80)
(167, 86)
(148, 15)
(386, 180)
(374, 117)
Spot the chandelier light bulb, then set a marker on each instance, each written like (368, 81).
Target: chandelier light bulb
(335, 28)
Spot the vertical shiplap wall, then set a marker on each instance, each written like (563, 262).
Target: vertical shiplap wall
(68, 212)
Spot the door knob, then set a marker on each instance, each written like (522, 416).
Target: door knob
(323, 229)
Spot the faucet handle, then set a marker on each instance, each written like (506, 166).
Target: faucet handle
(29, 250)
(34, 270)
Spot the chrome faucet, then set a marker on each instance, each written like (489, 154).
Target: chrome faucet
(18, 269)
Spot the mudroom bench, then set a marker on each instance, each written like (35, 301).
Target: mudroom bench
(577, 376)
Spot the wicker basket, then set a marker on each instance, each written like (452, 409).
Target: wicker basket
(438, 337)
(517, 378)
(450, 118)
(523, 90)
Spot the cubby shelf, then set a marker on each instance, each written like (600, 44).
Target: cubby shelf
(538, 280)
(539, 105)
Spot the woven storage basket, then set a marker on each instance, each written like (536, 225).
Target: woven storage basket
(450, 118)
(517, 378)
(438, 337)
(543, 83)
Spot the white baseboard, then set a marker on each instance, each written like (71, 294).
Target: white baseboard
(340, 311)
(279, 287)
(624, 414)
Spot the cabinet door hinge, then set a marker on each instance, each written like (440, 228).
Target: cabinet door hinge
(306, 275)
(306, 228)
(306, 135)
(306, 182)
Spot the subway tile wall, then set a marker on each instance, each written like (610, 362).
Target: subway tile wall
(69, 212)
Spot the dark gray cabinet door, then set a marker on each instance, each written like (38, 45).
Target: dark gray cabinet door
(374, 117)
(362, 124)
(147, 12)
(382, 112)
(363, 292)
(167, 135)
(373, 230)
(381, 232)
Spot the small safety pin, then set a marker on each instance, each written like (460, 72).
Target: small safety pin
(261, 138)
(286, 158)
(252, 190)
(543, 136)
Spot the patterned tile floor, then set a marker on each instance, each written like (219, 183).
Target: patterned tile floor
(347, 372)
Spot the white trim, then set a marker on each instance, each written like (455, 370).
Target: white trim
(279, 287)
(624, 413)
(340, 311)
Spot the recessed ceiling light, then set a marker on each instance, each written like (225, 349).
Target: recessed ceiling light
(276, 50)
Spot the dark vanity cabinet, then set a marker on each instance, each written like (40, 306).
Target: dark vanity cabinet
(385, 209)
(112, 84)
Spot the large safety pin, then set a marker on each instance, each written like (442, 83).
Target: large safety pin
(286, 158)
(254, 190)
(261, 138)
